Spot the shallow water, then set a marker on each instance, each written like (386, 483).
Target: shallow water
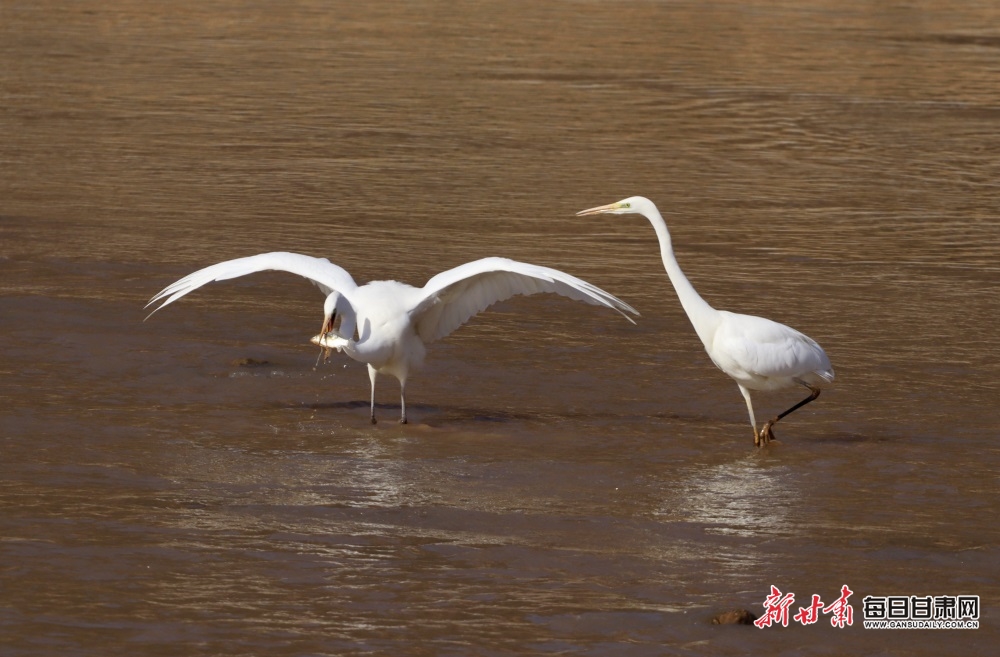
(569, 483)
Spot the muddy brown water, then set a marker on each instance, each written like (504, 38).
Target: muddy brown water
(570, 483)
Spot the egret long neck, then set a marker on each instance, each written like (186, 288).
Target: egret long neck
(704, 317)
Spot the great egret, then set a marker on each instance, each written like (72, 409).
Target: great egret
(394, 320)
(757, 353)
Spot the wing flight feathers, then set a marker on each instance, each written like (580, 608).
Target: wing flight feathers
(326, 275)
(452, 297)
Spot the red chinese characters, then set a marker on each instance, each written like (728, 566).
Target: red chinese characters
(776, 609)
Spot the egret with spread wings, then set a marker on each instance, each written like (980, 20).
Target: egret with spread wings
(386, 324)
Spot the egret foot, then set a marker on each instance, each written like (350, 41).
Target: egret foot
(374, 421)
(766, 434)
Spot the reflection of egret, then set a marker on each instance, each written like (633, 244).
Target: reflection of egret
(394, 320)
(757, 353)
(717, 496)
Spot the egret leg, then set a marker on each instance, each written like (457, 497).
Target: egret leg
(767, 434)
(753, 421)
(372, 374)
(402, 401)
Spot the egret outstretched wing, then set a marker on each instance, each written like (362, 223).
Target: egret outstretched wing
(452, 297)
(326, 275)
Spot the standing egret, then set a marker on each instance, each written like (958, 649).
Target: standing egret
(393, 320)
(757, 353)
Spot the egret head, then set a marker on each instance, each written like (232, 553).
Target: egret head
(632, 204)
(330, 311)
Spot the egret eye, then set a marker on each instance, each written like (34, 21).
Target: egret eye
(628, 205)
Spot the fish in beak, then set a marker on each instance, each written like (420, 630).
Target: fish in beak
(324, 353)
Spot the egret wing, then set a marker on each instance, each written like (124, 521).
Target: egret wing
(449, 299)
(767, 348)
(326, 275)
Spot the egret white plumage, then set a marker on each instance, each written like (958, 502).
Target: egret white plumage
(759, 354)
(386, 324)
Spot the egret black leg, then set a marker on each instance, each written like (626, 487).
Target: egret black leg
(766, 434)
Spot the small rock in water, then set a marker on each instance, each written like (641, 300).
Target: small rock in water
(249, 362)
(734, 617)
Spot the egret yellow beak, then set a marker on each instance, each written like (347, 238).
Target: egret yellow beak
(328, 324)
(601, 209)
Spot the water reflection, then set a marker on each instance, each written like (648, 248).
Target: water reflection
(741, 498)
